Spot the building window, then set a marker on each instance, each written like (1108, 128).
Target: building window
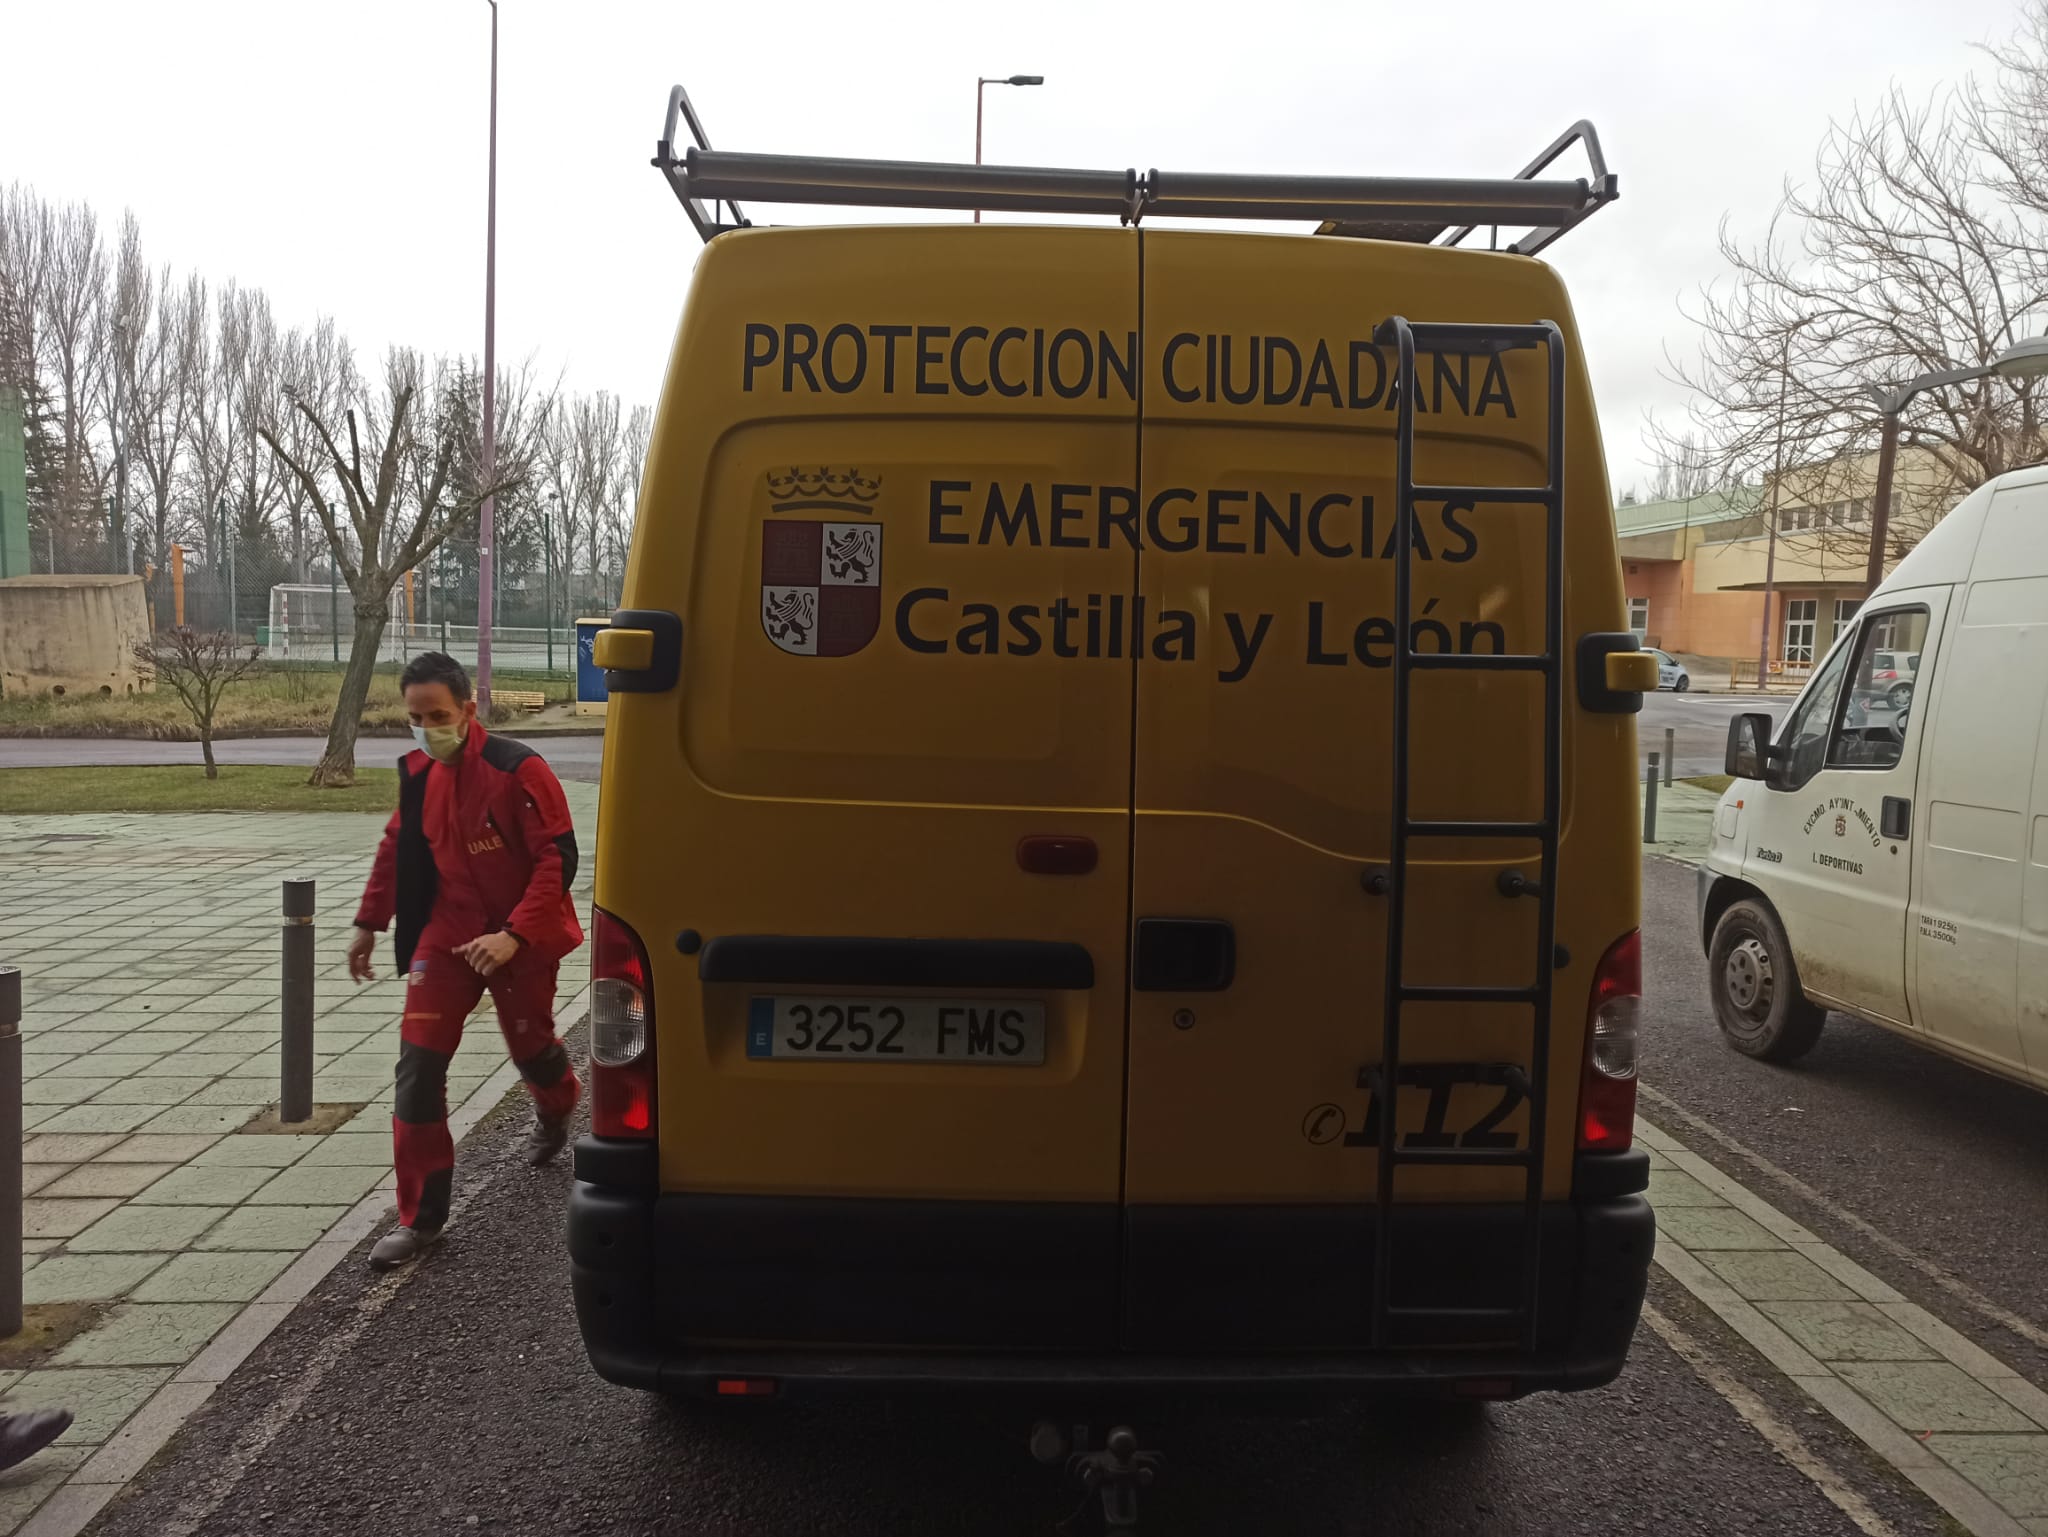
(1845, 612)
(1801, 615)
(1639, 617)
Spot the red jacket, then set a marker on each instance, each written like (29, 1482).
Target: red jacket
(477, 845)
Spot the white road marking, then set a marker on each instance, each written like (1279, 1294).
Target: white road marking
(1954, 1285)
(1780, 1437)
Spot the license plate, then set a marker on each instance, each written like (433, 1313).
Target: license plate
(982, 1031)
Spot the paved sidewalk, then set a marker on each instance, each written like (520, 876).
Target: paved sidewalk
(149, 950)
(1962, 1425)
(1685, 821)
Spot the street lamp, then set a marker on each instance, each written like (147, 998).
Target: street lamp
(547, 574)
(487, 518)
(2026, 359)
(979, 86)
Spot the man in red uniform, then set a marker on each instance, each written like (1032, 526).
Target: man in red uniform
(475, 866)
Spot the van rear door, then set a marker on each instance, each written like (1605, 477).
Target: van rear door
(895, 677)
(1264, 751)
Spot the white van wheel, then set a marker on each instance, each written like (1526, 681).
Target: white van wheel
(1757, 1000)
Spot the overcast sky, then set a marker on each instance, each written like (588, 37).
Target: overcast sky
(334, 154)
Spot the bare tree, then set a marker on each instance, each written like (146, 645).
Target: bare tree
(69, 301)
(1684, 468)
(24, 252)
(1900, 257)
(315, 366)
(598, 450)
(160, 414)
(201, 665)
(2009, 120)
(420, 483)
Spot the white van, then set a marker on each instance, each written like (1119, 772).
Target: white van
(1887, 854)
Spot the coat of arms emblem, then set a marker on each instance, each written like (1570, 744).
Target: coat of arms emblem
(821, 585)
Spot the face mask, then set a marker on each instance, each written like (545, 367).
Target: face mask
(441, 742)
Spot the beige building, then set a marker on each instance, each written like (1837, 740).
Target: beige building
(1695, 570)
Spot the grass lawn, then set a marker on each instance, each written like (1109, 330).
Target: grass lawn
(279, 699)
(241, 787)
(1715, 782)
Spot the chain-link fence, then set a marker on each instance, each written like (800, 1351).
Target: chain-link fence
(299, 609)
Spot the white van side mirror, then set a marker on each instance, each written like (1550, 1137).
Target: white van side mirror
(1749, 747)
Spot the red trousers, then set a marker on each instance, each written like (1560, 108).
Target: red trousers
(440, 993)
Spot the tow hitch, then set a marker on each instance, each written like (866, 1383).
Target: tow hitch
(1113, 1474)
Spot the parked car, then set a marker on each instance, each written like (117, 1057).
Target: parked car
(1891, 677)
(1671, 672)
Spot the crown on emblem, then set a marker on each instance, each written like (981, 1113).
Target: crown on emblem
(823, 487)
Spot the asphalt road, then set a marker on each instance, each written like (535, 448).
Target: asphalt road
(1699, 723)
(572, 757)
(457, 1398)
(1948, 1166)
(1700, 720)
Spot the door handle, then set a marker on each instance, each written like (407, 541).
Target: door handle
(1183, 955)
(1895, 817)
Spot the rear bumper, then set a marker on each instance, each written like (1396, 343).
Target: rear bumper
(915, 1295)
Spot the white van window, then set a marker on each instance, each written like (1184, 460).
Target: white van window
(1812, 721)
(1887, 666)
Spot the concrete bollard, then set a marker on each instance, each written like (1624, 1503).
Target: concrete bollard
(1670, 751)
(1650, 803)
(10, 1151)
(295, 1058)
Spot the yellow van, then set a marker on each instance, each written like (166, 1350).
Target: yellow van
(1051, 795)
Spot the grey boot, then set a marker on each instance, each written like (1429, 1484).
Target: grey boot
(401, 1246)
(24, 1432)
(545, 1139)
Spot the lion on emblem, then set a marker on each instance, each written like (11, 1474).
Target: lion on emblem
(851, 554)
(790, 615)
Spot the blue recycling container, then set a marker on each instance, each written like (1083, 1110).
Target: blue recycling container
(591, 694)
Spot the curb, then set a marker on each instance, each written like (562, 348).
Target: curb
(73, 1504)
(1936, 1456)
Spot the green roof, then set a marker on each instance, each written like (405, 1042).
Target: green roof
(1723, 506)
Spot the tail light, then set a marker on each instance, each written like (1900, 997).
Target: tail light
(1607, 1094)
(621, 1031)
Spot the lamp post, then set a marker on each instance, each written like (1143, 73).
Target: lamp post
(2026, 359)
(547, 577)
(487, 518)
(980, 86)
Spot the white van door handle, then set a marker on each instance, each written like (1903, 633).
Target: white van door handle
(1895, 817)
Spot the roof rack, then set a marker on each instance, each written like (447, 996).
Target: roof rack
(1416, 209)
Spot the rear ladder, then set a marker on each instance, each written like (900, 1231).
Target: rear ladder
(1384, 1079)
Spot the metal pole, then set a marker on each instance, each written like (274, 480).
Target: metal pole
(1881, 502)
(547, 585)
(487, 523)
(980, 89)
(334, 601)
(295, 1070)
(1650, 803)
(10, 1150)
(1670, 751)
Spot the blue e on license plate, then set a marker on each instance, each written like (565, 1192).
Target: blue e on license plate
(994, 1032)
